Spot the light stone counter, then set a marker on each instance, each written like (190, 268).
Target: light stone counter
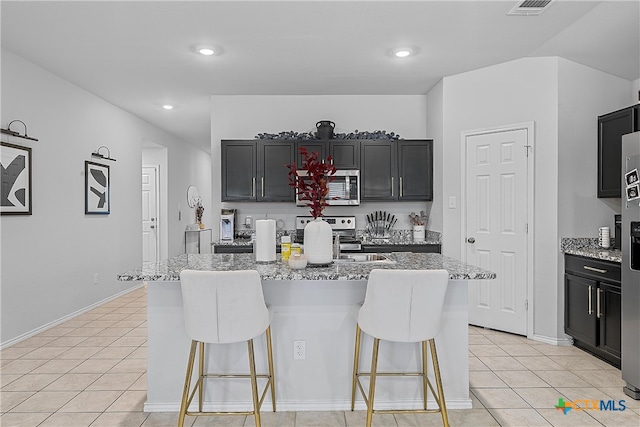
(315, 305)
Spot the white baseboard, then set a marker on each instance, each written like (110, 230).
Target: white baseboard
(65, 318)
(553, 340)
(288, 406)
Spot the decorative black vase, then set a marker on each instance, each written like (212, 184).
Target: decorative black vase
(325, 129)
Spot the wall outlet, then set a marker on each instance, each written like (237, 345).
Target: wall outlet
(248, 222)
(299, 350)
(95, 278)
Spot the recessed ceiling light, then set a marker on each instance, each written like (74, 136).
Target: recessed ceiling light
(167, 107)
(403, 52)
(207, 51)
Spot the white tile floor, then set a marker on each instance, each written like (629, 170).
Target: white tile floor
(90, 371)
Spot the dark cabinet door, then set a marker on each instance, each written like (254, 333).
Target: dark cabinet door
(611, 127)
(238, 168)
(319, 147)
(378, 170)
(415, 170)
(345, 154)
(610, 302)
(273, 174)
(580, 319)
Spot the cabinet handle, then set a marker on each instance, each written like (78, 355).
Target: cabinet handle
(590, 309)
(401, 189)
(253, 187)
(262, 185)
(598, 313)
(597, 270)
(391, 186)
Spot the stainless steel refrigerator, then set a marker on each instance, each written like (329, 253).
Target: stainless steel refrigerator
(631, 264)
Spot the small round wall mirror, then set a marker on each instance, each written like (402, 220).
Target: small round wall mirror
(193, 197)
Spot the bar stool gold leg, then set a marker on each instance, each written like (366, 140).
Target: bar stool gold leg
(356, 360)
(372, 381)
(425, 379)
(200, 376)
(440, 398)
(187, 384)
(272, 377)
(254, 383)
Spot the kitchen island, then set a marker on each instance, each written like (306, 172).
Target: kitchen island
(317, 305)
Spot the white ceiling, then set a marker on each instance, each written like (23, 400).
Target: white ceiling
(138, 54)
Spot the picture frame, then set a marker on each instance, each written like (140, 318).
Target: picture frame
(97, 189)
(631, 177)
(16, 194)
(633, 192)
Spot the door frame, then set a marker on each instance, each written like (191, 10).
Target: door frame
(158, 221)
(530, 128)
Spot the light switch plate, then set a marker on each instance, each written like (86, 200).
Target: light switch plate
(452, 202)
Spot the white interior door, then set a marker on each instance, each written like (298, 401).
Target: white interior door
(149, 215)
(497, 227)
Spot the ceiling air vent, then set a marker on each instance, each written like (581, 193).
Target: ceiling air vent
(530, 7)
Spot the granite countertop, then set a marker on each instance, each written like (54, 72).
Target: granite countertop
(170, 270)
(396, 237)
(588, 247)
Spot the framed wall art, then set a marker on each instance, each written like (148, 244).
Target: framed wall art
(97, 198)
(15, 196)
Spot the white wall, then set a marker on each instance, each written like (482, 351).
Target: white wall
(49, 258)
(243, 117)
(543, 90)
(435, 123)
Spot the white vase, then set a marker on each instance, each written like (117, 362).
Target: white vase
(318, 242)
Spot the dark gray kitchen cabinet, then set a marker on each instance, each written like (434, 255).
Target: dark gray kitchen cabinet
(592, 311)
(415, 170)
(318, 146)
(345, 154)
(256, 171)
(238, 170)
(272, 172)
(426, 248)
(611, 127)
(396, 170)
(378, 170)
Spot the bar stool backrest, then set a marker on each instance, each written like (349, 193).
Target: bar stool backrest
(223, 306)
(403, 305)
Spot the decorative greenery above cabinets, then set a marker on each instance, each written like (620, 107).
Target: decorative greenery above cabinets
(255, 171)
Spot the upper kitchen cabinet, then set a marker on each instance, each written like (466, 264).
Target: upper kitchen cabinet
(273, 174)
(345, 154)
(238, 167)
(378, 170)
(319, 147)
(256, 171)
(415, 170)
(397, 170)
(611, 127)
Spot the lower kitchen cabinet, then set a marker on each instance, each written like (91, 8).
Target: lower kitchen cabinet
(592, 312)
(426, 248)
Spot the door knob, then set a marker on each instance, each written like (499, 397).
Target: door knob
(471, 240)
(152, 226)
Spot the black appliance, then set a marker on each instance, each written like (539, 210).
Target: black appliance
(617, 232)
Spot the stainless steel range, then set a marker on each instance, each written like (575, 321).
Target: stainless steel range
(343, 226)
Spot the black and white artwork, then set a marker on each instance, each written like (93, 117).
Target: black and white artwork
(96, 188)
(15, 198)
(631, 178)
(633, 192)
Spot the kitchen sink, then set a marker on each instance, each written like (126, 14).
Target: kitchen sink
(364, 258)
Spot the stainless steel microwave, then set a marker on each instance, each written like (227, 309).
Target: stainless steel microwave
(344, 190)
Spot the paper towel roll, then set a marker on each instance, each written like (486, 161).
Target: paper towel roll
(265, 243)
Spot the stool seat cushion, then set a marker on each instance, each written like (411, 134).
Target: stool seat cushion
(223, 306)
(403, 305)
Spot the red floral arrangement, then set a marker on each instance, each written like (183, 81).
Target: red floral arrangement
(312, 187)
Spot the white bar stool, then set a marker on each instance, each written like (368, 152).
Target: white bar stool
(402, 306)
(223, 307)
